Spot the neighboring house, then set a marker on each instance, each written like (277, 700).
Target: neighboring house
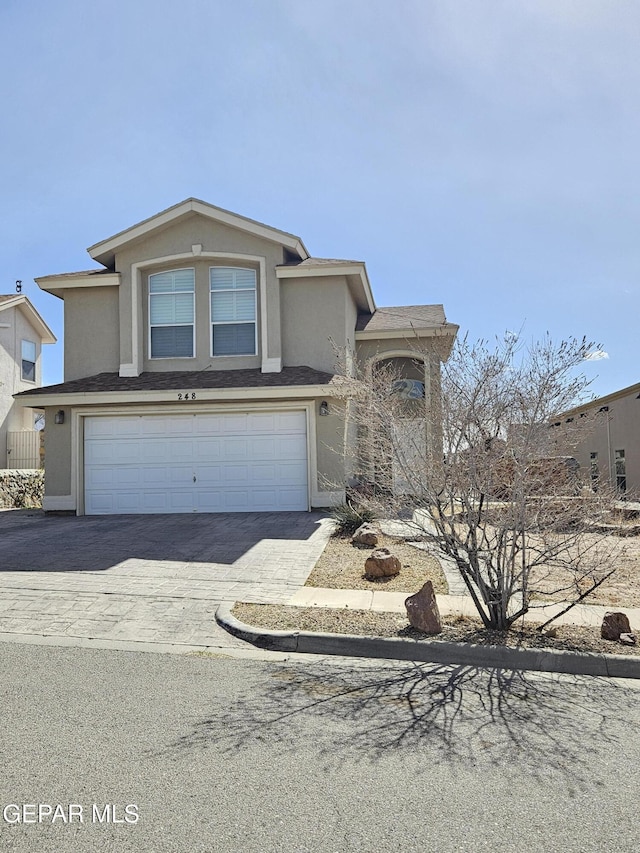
(611, 450)
(199, 368)
(22, 333)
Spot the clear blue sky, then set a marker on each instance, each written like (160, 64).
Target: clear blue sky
(480, 154)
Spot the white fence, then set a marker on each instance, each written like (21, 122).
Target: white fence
(23, 449)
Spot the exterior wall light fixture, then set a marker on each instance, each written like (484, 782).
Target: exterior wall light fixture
(59, 417)
(324, 408)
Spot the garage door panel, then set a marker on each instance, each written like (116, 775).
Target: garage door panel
(292, 447)
(208, 425)
(154, 451)
(113, 426)
(292, 422)
(209, 501)
(234, 424)
(235, 448)
(196, 463)
(291, 473)
(208, 449)
(234, 475)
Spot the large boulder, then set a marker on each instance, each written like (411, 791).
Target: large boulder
(366, 535)
(382, 564)
(614, 623)
(422, 610)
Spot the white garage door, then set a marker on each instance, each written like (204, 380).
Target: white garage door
(251, 462)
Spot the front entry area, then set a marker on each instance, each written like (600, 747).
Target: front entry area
(184, 463)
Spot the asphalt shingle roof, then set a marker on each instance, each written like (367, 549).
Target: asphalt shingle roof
(188, 380)
(402, 318)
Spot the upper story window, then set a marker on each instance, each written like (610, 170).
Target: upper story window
(171, 314)
(28, 361)
(233, 311)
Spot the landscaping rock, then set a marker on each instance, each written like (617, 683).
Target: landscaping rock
(382, 564)
(367, 535)
(21, 488)
(422, 610)
(628, 639)
(614, 624)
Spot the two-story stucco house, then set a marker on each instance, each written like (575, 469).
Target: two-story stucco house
(199, 368)
(22, 334)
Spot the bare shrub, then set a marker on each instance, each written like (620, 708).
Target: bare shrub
(486, 469)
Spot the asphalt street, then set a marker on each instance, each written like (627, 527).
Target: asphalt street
(310, 755)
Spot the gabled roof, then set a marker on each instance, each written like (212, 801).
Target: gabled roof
(104, 251)
(19, 300)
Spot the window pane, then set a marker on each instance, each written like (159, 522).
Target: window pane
(172, 342)
(183, 307)
(172, 282)
(222, 278)
(171, 308)
(234, 339)
(232, 278)
(228, 306)
(222, 307)
(245, 305)
(28, 370)
(28, 351)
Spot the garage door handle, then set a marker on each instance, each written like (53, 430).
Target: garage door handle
(194, 478)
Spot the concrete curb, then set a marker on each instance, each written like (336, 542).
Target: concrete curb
(430, 651)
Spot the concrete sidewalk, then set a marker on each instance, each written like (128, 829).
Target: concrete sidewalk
(393, 602)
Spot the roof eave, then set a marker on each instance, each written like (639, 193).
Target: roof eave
(104, 251)
(220, 395)
(356, 272)
(447, 330)
(57, 284)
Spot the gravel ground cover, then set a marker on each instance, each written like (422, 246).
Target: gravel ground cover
(341, 566)
(460, 629)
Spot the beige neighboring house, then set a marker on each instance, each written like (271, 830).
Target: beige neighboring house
(611, 452)
(22, 334)
(199, 367)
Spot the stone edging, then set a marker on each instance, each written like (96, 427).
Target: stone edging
(437, 651)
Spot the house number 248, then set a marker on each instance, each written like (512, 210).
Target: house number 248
(187, 396)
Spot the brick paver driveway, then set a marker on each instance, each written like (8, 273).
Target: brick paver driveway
(154, 578)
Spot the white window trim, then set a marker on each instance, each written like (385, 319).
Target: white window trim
(133, 367)
(159, 325)
(253, 290)
(34, 362)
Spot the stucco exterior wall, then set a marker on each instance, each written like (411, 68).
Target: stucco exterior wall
(91, 335)
(14, 328)
(330, 431)
(178, 238)
(57, 455)
(313, 315)
(372, 348)
(617, 429)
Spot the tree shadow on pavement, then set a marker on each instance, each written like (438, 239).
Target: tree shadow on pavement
(548, 726)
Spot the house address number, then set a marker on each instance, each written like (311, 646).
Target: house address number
(187, 396)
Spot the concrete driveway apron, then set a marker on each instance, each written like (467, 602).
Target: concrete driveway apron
(151, 578)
